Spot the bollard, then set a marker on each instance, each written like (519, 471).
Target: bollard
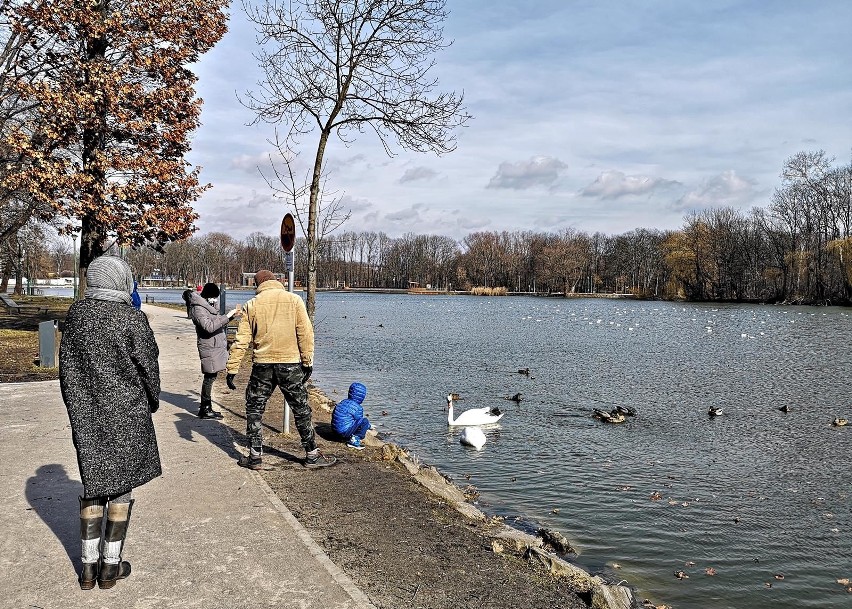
(222, 305)
(48, 334)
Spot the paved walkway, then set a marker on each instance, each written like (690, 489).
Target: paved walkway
(207, 534)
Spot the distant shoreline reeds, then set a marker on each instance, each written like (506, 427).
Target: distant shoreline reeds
(484, 291)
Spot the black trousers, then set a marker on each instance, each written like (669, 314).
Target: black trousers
(207, 390)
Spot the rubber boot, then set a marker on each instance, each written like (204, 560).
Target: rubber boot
(115, 532)
(91, 522)
(205, 411)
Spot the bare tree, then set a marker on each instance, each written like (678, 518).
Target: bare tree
(330, 214)
(340, 67)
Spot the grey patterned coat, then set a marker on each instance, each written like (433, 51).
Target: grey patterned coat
(110, 381)
(210, 329)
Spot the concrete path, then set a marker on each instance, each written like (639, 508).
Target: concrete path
(207, 534)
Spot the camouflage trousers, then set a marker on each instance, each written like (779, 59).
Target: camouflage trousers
(289, 378)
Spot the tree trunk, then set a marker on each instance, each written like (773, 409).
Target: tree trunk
(313, 239)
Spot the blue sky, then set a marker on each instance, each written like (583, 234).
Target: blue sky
(597, 115)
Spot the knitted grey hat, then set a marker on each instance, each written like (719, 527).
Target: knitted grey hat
(110, 273)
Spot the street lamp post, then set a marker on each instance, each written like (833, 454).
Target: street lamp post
(74, 235)
(20, 274)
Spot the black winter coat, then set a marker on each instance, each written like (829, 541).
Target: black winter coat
(110, 381)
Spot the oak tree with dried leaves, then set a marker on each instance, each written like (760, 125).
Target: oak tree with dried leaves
(341, 67)
(110, 107)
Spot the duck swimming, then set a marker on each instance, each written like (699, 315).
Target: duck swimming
(608, 417)
(474, 416)
(838, 422)
(714, 411)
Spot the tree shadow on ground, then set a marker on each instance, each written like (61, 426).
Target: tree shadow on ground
(54, 497)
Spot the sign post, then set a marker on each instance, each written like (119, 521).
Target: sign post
(288, 241)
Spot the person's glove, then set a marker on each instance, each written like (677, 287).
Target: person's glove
(230, 381)
(153, 406)
(306, 372)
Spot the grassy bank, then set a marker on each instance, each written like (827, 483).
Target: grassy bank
(19, 338)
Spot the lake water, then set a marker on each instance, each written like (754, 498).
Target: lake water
(755, 494)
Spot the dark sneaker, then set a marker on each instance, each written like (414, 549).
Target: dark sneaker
(250, 462)
(355, 442)
(319, 460)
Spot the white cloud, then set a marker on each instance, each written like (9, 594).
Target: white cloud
(355, 205)
(613, 184)
(725, 189)
(539, 171)
(414, 174)
(251, 163)
(409, 214)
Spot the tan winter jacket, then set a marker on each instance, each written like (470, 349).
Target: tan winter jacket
(277, 322)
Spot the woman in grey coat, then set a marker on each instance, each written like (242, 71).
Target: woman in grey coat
(110, 381)
(210, 327)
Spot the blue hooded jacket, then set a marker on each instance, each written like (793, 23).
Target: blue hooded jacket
(135, 297)
(349, 412)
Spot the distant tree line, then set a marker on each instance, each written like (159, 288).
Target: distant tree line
(797, 249)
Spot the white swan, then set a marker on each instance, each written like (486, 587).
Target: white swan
(474, 416)
(472, 436)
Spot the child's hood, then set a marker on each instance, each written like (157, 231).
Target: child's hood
(357, 392)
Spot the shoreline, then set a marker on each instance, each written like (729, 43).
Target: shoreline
(502, 541)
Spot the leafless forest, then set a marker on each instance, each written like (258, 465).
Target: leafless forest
(795, 249)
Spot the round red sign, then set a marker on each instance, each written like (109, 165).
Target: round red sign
(288, 233)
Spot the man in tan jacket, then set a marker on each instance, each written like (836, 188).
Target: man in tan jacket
(276, 322)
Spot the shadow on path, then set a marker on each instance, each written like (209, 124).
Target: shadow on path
(53, 496)
(188, 426)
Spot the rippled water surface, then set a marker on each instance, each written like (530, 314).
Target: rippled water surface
(755, 493)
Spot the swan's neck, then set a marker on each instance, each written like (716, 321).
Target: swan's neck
(450, 412)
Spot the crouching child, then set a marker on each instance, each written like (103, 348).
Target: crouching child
(348, 417)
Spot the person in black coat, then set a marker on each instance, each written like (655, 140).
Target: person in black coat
(210, 327)
(110, 381)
